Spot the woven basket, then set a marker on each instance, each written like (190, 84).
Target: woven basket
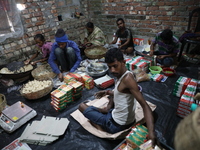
(43, 72)
(95, 52)
(2, 102)
(38, 94)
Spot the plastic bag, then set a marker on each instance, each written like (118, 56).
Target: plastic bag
(141, 75)
(7, 82)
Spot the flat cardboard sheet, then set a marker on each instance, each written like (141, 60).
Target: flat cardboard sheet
(45, 131)
(52, 126)
(78, 116)
(77, 138)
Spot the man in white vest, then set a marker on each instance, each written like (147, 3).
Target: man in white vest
(120, 111)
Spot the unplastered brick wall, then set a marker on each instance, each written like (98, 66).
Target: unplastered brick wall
(41, 16)
(143, 17)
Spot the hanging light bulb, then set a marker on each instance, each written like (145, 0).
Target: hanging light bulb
(21, 6)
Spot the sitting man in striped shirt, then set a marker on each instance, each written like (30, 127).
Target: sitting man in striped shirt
(168, 47)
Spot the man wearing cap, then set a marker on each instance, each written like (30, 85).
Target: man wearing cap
(64, 53)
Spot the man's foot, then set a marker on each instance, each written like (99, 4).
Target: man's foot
(86, 101)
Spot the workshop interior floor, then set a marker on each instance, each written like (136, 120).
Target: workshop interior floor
(76, 137)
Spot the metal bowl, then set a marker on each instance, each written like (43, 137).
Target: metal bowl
(97, 69)
(15, 76)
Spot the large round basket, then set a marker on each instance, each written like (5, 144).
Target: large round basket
(38, 93)
(43, 72)
(95, 52)
(3, 102)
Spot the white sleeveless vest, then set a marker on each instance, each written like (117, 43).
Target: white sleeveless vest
(124, 105)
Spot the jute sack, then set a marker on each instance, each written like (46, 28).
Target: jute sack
(187, 135)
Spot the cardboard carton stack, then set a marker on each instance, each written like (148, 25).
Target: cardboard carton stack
(77, 77)
(61, 97)
(68, 92)
(185, 88)
(180, 86)
(77, 89)
(138, 62)
(136, 137)
(187, 98)
(88, 82)
(68, 78)
(157, 77)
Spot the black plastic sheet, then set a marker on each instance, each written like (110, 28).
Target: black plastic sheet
(76, 137)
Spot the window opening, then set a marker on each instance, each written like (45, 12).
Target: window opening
(10, 25)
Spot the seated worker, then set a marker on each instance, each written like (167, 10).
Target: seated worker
(168, 47)
(194, 37)
(125, 36)
(43, 50)
(64, 53)
(120, 111)
(95, 37)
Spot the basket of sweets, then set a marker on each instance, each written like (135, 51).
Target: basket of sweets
(43, 72)
(36, 89)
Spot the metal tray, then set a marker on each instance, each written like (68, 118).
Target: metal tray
(12, 65)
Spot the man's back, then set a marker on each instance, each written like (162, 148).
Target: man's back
(124, 104)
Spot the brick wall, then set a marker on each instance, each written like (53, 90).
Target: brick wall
(41, 16)
(143, 17)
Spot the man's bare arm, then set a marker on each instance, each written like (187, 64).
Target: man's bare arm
(114, 41)
(126, 43)
(130, 83)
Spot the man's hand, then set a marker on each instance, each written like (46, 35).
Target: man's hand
(151, 52)
(27, 62)
(85, 40)
(100, 94)
(60, 76)
(33, 63)
(152, 137)
(161, 56)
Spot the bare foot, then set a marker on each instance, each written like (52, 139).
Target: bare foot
(86, 101)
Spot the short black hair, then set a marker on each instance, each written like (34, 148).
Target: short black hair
(166, 35)
(89, 25)
(114, 54)
(60, 33)
(120, 19)
(39, 36)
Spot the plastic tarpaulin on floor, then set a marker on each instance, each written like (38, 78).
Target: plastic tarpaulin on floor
(76, 137)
